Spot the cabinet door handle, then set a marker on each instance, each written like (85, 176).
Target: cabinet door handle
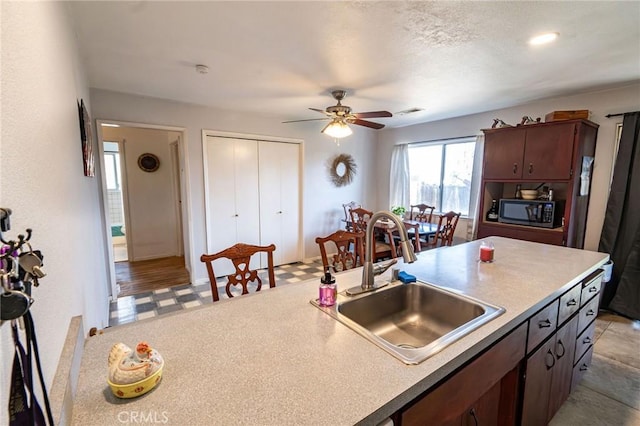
(549, 356)
(561, 346)
(584, 367)
(475, 418)
(572, 302)
(544, 324)
(590, 312)
(586, 340)
(593, 289)
(515, 168)
(530, 168)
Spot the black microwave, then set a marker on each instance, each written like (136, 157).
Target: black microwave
(545, 214)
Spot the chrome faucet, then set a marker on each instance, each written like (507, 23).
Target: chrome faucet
(369, 271)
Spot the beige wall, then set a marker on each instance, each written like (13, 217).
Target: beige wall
(600, 103)
(321, 203)
(42, 181)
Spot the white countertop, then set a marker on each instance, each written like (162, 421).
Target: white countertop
(273, 358)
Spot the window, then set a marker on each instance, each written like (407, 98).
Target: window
(441, 174)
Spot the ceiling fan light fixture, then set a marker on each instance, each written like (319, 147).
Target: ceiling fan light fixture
(337, 129)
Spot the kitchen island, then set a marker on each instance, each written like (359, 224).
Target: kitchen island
(273, 358)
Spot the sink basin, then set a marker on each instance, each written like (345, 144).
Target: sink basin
(412, 321)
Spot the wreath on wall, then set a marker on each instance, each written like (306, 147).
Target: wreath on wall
(342, 169)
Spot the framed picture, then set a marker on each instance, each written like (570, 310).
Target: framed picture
(88, 159)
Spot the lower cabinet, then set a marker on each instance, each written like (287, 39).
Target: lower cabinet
(483, 392)
(548, 376)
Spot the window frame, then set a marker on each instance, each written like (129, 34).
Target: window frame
(444, 143)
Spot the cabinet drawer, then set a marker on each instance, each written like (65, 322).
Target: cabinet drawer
(581, 368)
(590, 289)
(542, 325)
(584, 341)
(569, 303)
(588, 313)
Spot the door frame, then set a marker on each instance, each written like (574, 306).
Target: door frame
(187, 227)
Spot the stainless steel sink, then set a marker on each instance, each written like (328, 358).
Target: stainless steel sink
(412, 321)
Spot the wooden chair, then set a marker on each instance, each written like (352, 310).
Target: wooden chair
(421, 213)
(347, 214)
(383, 248)
(349, 250)
(240, 254)
(447, 223)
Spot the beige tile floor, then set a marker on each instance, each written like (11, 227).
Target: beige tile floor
(610, 391)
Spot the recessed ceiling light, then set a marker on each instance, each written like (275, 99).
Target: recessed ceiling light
(543, 38)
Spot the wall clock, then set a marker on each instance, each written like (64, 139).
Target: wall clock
(148, 162)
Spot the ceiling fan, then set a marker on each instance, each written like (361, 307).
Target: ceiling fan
(340, 116)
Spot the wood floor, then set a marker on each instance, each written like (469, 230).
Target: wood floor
(148, 275)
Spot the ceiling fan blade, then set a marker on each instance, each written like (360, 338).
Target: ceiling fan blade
(310, 119)
(372, 114)
(321, 111)
(366, 123)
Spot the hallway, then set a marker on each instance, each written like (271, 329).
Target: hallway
(149, 275)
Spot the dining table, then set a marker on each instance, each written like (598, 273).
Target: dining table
(423, 229)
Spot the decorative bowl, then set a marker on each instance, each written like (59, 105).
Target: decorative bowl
(529, 194)
(141, 387)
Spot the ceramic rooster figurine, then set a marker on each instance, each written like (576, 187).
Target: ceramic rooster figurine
(127, 366)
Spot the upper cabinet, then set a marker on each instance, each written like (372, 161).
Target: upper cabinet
(534, 152)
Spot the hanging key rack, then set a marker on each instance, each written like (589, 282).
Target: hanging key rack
(20, 269)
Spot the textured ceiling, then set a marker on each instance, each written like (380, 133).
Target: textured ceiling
(279, 58)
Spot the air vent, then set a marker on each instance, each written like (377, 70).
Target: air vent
(409, 111)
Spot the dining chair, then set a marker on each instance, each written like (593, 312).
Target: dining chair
(421, 213)
(347, 214)
(383, 238)
(447, 224)
(349, 250)
(240, 254)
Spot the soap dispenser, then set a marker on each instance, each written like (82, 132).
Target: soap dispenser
(328, 289)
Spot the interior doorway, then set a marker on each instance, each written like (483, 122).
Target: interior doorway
(147, 226)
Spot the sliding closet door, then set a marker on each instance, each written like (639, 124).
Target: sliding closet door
(280, 199)
(231, 196)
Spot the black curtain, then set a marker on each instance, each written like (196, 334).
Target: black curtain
(621, 230)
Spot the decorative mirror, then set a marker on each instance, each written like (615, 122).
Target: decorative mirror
(342, 170)
(148, 162)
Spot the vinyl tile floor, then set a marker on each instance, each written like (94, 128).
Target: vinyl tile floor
(609, 393)
(158, 302)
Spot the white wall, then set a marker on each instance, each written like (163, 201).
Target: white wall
(153, 226)
(322, 202)
(42, 178)
(600, 103)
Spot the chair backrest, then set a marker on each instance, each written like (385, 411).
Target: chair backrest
(349, 250)
(240, 254)
(347, 210)
(359, 218)
(422, 213)
(447, 223)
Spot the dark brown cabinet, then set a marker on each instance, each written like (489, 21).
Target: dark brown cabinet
(549, 154)
(483, 392)
(529, 152)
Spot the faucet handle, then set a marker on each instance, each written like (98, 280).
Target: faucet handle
(379, 268)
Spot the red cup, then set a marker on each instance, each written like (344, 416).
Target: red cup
(486, 254)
